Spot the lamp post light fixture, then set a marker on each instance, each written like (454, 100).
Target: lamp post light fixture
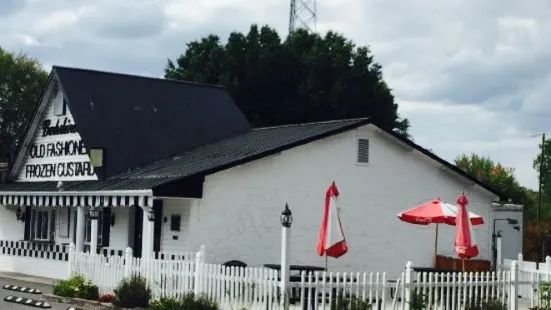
(151, 215)
(19, 214)
(94, 213)
(286, 217)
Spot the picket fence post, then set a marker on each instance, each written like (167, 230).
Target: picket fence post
(521, 276)
(513, 293)
(199, 259)
(203, 251)
(71, 260)
(547, 267)
(520, 260)
(408, 287)
(128, 255)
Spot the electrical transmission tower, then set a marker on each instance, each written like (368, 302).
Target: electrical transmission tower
(303, 14)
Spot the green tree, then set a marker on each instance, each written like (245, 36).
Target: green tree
(499, 177)
(305, 78)
(21, 82)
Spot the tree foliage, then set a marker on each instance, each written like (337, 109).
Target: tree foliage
(497, 176)
(21, 82)
(503, 179)
(304, 78)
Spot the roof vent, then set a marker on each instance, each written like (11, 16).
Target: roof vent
(363, 151)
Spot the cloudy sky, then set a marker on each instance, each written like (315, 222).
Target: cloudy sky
(472, 76)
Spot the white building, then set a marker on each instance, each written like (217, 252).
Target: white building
(169, 166)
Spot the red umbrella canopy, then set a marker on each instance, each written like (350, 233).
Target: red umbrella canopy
(465, 244)
(436, 211)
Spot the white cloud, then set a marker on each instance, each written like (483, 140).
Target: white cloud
(472, 76)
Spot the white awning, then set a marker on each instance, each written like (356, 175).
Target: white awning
(99, 199)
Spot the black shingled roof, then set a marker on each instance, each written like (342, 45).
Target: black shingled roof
(139, 120)
(224, 154)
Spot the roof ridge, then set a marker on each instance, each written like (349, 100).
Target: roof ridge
(135, 76)
(342, 120)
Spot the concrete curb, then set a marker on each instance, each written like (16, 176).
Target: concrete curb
(28, 279)
(79, 303)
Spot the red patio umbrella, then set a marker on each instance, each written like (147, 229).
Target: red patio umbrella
(331, 240)
(438, 212)
(465, 244)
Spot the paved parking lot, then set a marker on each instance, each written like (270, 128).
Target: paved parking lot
(13, 306)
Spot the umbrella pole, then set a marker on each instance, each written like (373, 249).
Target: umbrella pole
(435, 245)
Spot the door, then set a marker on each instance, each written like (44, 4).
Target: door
(138, 231)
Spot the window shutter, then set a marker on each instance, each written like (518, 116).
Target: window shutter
(106, 226)
(33, 224)
(363, 151)
(27, 233)
(158, 209)
(52, 225)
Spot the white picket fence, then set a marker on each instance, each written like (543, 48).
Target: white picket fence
(258, 288)
(531, 276)
(456, 290)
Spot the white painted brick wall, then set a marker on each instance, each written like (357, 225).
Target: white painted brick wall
(238, 217)
(511, 242)
(168, 243)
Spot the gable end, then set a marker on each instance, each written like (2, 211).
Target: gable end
(52, 149)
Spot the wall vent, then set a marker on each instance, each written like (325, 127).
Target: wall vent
(363, 151)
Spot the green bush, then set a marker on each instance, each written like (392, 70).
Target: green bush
(350, 303)
(189, 302)
(77, 287)
(544, 290)
(491, 304)
(419, 302)
(132, 293)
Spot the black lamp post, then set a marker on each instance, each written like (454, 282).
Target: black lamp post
(510, 221)
(286, 221)
(286, 217)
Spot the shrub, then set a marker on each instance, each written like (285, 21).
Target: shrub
(77, 287)
(491, 304)
(419, 302)
(189, 302)
(106, 298)
(132, 293)
(350, 303)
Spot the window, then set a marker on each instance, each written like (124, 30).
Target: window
(363, 151)
(59, 105)
(175, 222)
(42, 224)
(88, 231)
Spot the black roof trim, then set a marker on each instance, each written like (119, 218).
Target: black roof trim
(445, 163)
(248, 159)
(135, 76)
(362, 122)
